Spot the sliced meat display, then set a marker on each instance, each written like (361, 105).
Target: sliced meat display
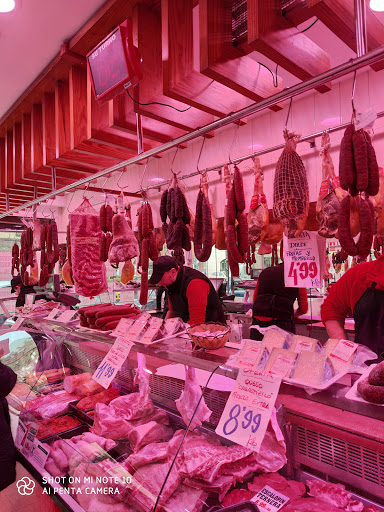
(290, 189)
(191, 404)
(88, 271)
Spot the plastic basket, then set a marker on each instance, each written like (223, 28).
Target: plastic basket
(210, 342)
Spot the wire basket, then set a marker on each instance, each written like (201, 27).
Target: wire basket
(199, 335)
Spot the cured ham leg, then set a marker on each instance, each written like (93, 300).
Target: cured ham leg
(188, 400)
(258, 216)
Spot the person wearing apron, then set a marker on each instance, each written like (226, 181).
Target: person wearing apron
(358, 293)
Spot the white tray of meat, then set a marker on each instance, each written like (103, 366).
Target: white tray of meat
(353, 393)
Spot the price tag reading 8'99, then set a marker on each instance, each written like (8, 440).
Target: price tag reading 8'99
(249, 408)
(112, 362)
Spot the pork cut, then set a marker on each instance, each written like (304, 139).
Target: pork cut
(148, 433)
(289, 488)
(220, 486)
(258, 216)
(309, 505)
(335, 494)
(153, 452)
(187, 404)
(88, 271)
(124, 245)
(185, 498)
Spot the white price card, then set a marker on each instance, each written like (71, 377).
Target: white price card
(249, 407)
(20, 433)
(16, 326)
(67, 316)
(52, 314)
(249, 355)
(302, 267)
(269, 500)
(40, 453)
(122, 327)
(29, 439)
(344, 350)
(112, 362)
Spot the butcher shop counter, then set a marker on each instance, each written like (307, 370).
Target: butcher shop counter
(314, 444)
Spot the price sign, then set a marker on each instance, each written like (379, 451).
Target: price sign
(20, 433)
(40, 453)
(27, 444)
(344, 350)
(302, 267)
(269, 500)
(249, 408)
(52, 314)
(67, 316)
(112, 362)
(122, 327)
(16, 326)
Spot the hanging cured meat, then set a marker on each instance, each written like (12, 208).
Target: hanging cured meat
(204, 184)
(202, 241)
(378, 203)
(258, 216)
(87, 270)
(328, 203)
(290, 189)
(124, 245)
(236, 225)
(106, 215)
(127, 272)
(148, 247)
(274, 232)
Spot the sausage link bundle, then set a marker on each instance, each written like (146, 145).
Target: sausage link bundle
(26, 255)
(236, 224)
(106, 216)
(358, 168)
(363, 246)
(202, 242)
(148, 247)
(15, 259)
(173, 206)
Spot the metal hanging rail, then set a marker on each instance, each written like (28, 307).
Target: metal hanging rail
(307, 138)
(337, 72)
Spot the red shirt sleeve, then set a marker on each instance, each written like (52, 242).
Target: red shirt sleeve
(302, 301)
(197, 293)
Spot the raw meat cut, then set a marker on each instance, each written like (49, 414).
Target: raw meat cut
(151, 453)
(87, 270)
(289, 488)
(152, 478)
(258, 216)
(56, 426)
(309, 505)
(89, 402)
(124, 245)
(131, 407)
(189, 400)
(72, 381)
(290, 189)
(185, 498)
(220, 486)
(148, 433)
(330, 196)
(90, 387)
(335, 494)
(237, 496)
(48, 406)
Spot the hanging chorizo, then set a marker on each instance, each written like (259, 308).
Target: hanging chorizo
(344, 228)
(346, 165)
(360, 157)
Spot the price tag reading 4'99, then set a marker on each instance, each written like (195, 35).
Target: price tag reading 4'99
(249, 408)
(301, 261)
(112, 362)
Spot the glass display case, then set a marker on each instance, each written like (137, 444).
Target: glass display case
(128, 448)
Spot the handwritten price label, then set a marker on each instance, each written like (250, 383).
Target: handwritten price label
(249, 408)
(269, 500)
(112, 362)
(302, 265)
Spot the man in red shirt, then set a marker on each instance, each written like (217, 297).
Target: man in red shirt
(191, 295)
(360, 292)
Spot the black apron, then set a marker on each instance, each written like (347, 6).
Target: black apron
(368, 314)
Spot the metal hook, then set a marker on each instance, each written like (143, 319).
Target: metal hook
(173, 161)
(353, 95)
(198, 160)
(86, 188)
(233, 141)
(142, 178)
(118, 181)
(43, 210)
(103, 185)
(289, 111)
(70, 201)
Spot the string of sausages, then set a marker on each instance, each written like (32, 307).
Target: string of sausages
(236, 225)
(15, 259)
(173, 205)
(358, 173)
(202, 241)
(26, 254)
(148, 247)
(106, 215)
(49, 246)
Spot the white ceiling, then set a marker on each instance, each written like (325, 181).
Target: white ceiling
(30, 37)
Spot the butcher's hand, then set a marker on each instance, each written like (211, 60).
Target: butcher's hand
(335, 329)
(170, 314)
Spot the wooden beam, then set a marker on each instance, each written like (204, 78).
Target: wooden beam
(2, 164)
(17, 143)
(181, 80)
(275, 37)
(37, 136)
(49, 128)
(26, 147)
(9, 177)
(222, 62)
(62, 118)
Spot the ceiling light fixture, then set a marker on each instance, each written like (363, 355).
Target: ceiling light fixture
(377, 5)
(7, 5)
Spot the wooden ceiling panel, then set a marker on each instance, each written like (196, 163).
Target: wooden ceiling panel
(2, 164)
(49, 128)
(62, 118)
(17, 143)
(9, 177)
(147, 37)
(181, 80)
(221, 61)
(278, 39)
